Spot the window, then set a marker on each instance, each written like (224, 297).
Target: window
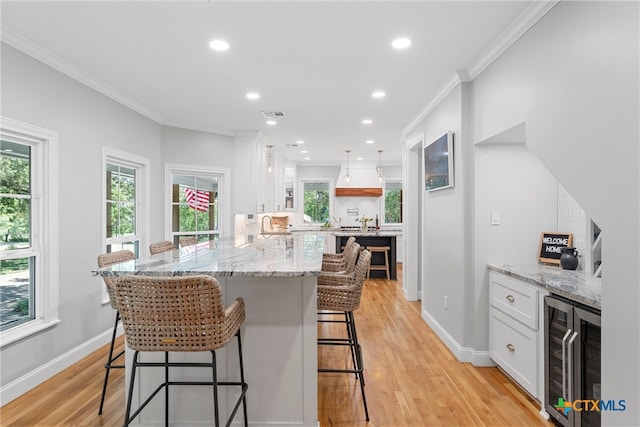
(125, 207)
(393, 202)
(122, 226)
(199, 203)
(28, 220)
(317, 208)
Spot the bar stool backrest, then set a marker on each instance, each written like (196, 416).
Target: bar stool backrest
(105, 260)
(184, 313)
(187, 241)
(351, 253)
(158, 247)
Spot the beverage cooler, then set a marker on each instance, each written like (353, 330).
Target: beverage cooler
(572, 361)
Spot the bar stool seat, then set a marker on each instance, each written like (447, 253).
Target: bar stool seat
(380, 267)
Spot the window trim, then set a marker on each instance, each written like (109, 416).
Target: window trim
(224, 195)
(143, 196)
(384, 201)
(45, 233)
(331, 196)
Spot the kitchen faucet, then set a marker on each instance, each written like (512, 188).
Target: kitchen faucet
(262, 225)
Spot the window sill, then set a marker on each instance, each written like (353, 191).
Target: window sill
(23, 331)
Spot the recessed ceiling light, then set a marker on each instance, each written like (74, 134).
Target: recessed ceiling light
(369, 141)
(307, 158)
(271, 122)
(358, 158)
(219, 45)
(378, 94)
(253, 95)
(367, 121)
(304, 151)
(401, 43)
(299, 141)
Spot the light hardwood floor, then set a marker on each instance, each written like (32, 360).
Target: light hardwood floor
(411, 380)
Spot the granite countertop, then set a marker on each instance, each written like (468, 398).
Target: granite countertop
(575, 285)
(382, 232)
(292, 255)
(379, 233)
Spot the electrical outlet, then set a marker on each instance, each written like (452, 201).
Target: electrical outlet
(445, 302)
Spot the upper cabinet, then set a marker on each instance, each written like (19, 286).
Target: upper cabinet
(258, 175)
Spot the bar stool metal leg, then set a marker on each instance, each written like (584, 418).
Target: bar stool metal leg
(111, 358)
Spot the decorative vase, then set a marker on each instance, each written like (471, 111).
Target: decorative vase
(569, 258)
(364, 226)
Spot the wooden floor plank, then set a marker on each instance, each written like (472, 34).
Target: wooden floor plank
(412, 379)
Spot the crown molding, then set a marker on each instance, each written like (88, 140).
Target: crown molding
(516, 30)
(451, 84)
(26, 46)
(526, 20)
(207, 129)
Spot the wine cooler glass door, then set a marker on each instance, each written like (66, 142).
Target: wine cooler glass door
(558, 378)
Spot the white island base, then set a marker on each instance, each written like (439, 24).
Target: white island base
(280, 359)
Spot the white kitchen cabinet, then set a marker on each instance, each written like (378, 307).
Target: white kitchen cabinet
(399, 248)
(253, 186)
(515, 333)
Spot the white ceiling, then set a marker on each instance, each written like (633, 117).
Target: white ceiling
(318, 62)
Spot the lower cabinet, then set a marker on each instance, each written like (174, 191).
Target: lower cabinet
(515, 333)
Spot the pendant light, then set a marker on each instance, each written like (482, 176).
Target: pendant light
(380, 171)
(269, 159)
(348, 175)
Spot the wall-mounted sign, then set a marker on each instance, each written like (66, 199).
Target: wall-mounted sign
(551, 245)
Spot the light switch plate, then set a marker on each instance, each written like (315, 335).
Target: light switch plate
(495, 217)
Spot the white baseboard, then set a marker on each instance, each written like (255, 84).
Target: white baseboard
(463, 354)
(34, 378)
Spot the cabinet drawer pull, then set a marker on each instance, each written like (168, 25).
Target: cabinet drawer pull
(510, 347)
(510, 298)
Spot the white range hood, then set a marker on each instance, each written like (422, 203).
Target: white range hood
(363, 180)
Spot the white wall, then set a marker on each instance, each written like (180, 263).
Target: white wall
(85, 121)
(444, 234)
(510, 179)
(198, 149)
(574, 79)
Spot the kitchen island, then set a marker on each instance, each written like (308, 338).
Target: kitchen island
(277, 277)
(373, 237)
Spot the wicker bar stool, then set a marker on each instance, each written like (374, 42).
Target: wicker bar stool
(384, 267)
(179, 314)
(164, 246)
(340, 262)
(106, 260)
(340, 295)
(187, 241)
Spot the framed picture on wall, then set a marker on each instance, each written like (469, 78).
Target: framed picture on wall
(438, 163)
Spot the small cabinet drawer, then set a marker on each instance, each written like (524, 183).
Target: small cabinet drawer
(514, 347)
(515, 298)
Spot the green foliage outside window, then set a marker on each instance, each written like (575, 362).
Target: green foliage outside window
(15, 207)
(121, 200)
(393, 202)
(316, 201)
